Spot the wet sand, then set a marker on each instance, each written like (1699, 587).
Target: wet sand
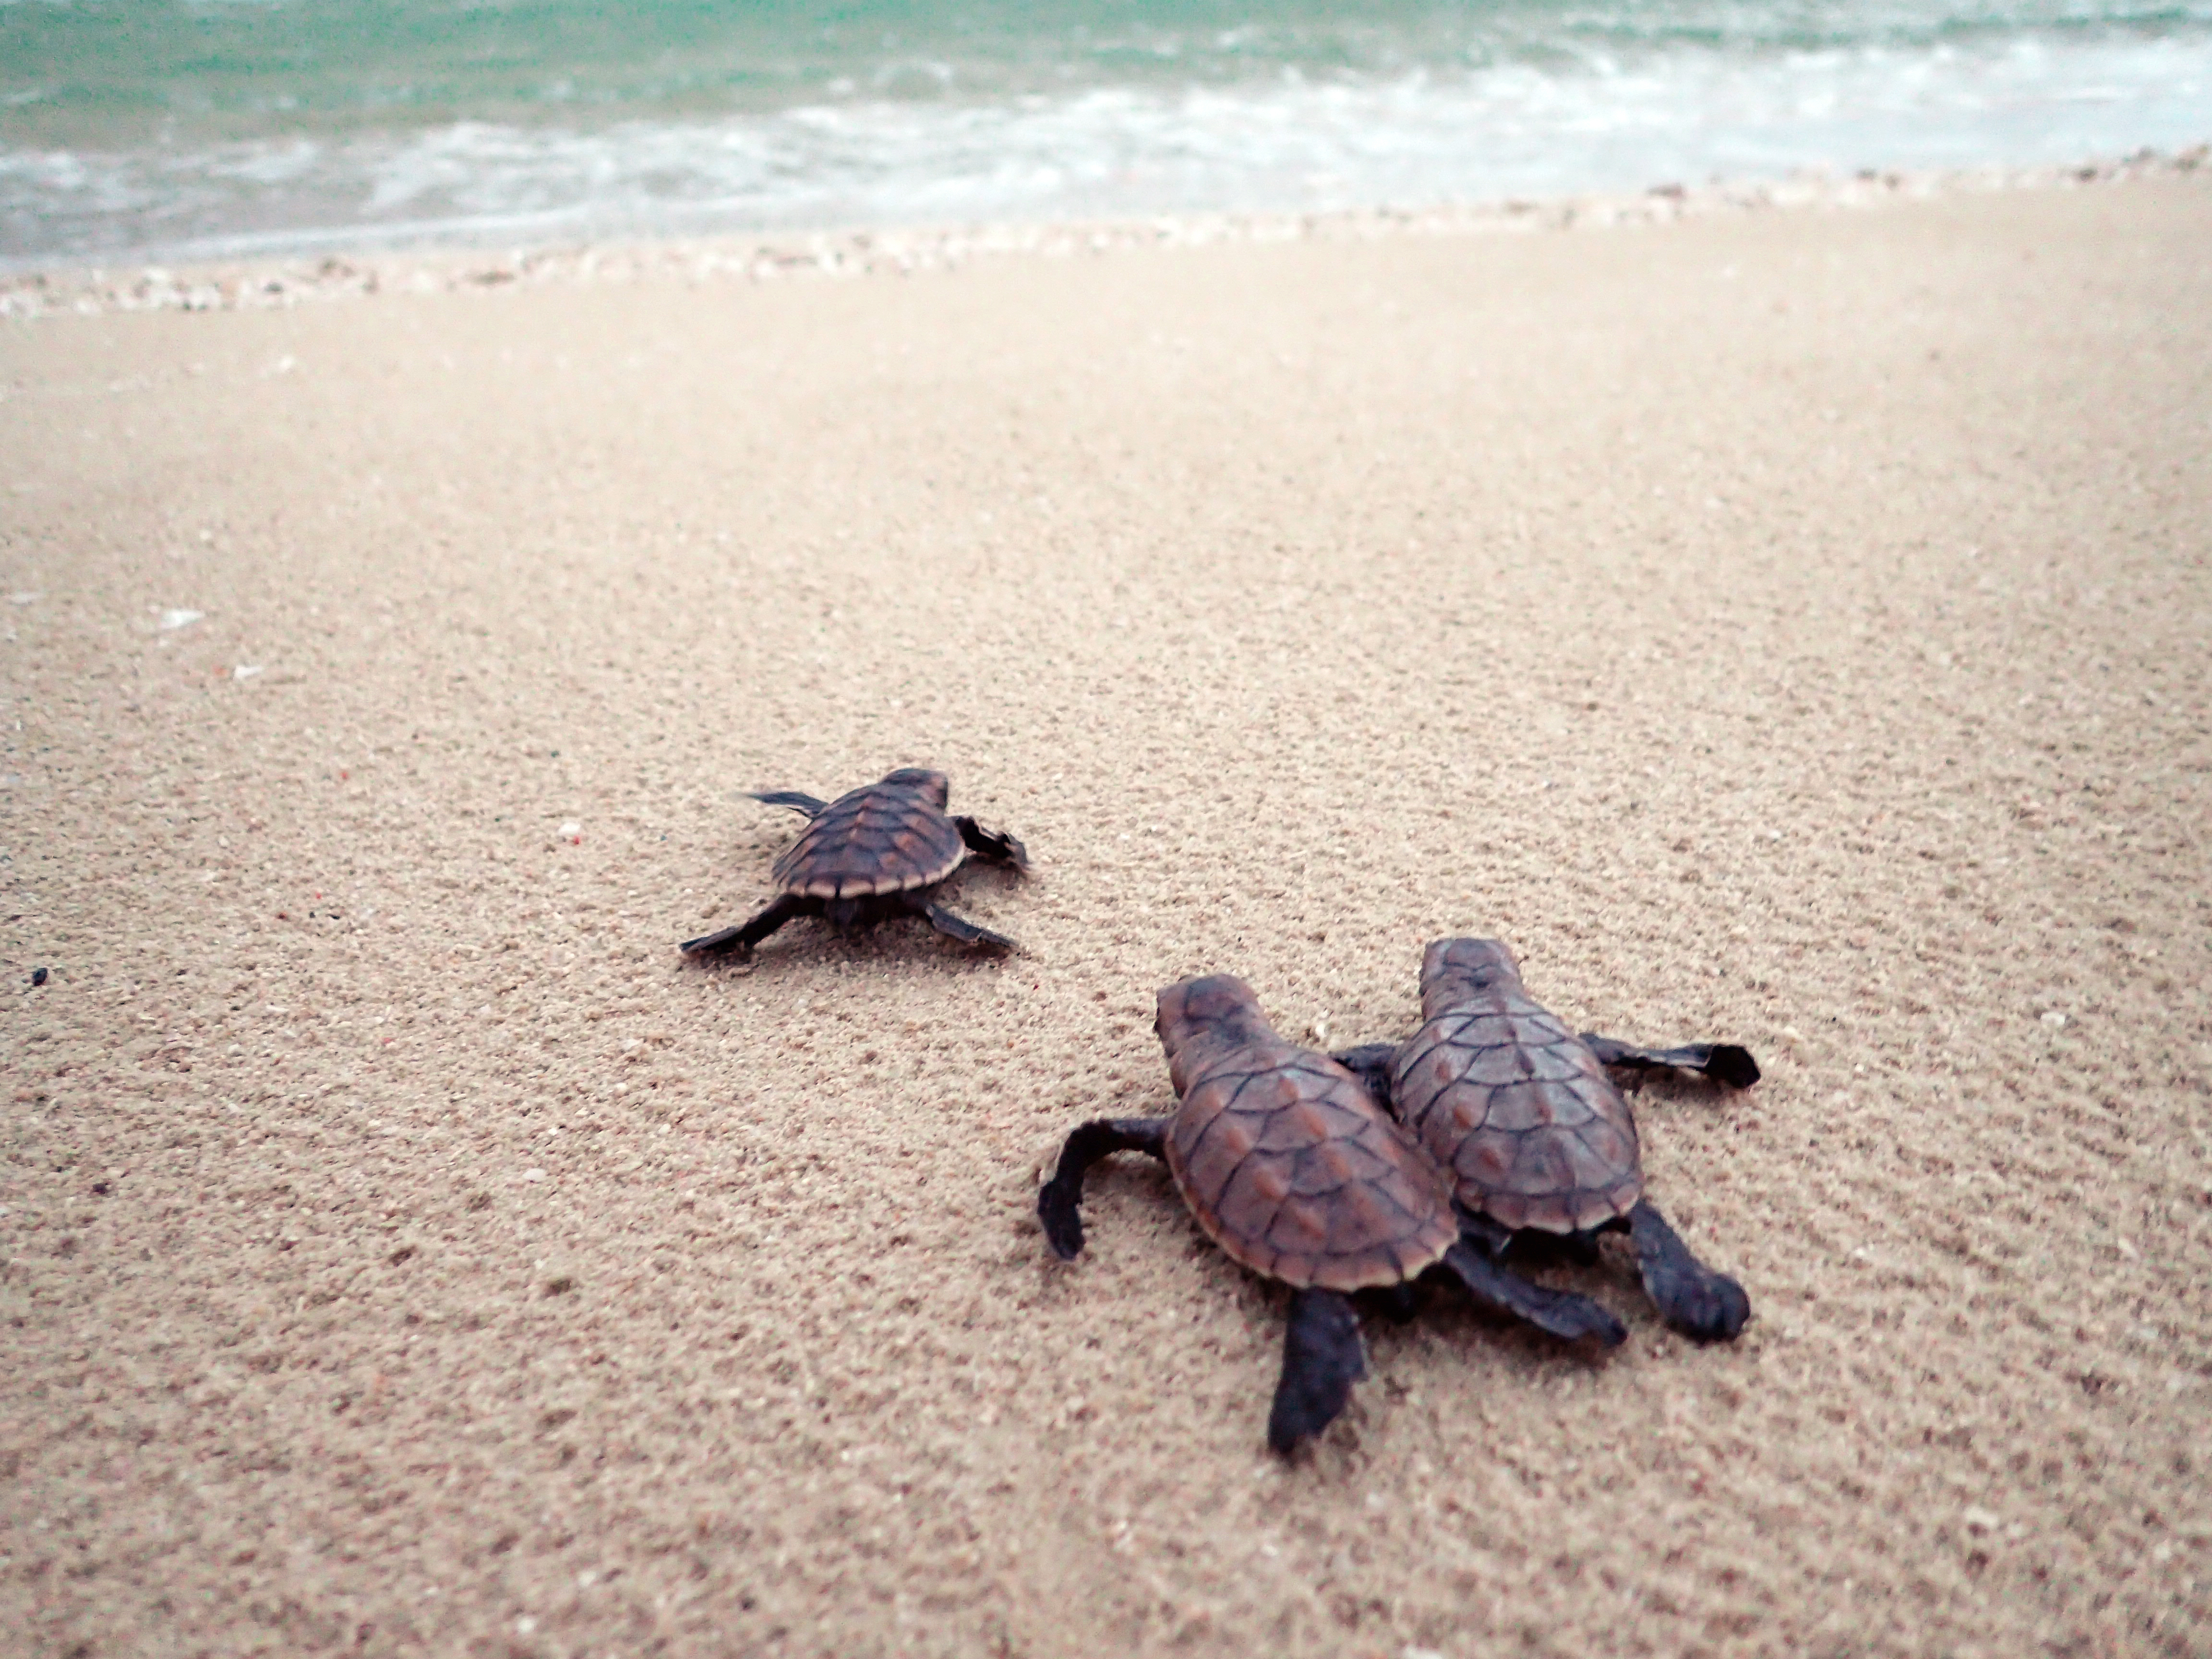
(1786, 626)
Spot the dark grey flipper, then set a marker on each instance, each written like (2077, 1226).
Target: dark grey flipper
(1370, 1063)
(1060, 1198)
(1323, 1357)
(1560, 1313)
(993, 844)
(960, 927)
(1724, 1062)
(742, 938)
(795, 799)
(1691, 1296)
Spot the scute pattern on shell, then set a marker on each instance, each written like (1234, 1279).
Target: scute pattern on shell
(1296, 1173)
(1502, 1093)
(880, 838)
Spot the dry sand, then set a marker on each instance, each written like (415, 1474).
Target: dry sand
(1789, 628)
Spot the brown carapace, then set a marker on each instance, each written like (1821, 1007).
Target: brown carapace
(1285, 1159)
(877, 852)
(1500, 1090)
(1536, 1135)
(1294, 1170)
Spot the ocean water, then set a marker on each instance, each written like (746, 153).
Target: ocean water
(177, 128)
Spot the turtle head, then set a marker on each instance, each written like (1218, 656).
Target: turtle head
(933, 787)
(1455, 970)
(1201, 1018)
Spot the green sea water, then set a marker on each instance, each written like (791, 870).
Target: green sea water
(206, 124)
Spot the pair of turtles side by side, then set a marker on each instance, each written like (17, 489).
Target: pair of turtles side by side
(1290, 1166)
(1289, 1162)
(875, 853)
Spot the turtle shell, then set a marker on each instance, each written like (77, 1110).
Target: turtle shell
(1507, 1098)
(889, 837)
(1292, 1168)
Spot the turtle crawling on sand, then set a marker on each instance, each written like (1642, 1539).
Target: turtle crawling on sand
(1290, 1166)
(880, 851)
(1538, 1139)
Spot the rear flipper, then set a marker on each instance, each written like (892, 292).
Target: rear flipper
(1370, 1063)
(1560, 1313)
(1691, 1296)
(743, 938)
(993, 844)
(959, 928)
(1724, 1062)
(1323, 1357)
(1060, 1201)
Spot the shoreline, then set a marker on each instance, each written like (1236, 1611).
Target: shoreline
(91, 289)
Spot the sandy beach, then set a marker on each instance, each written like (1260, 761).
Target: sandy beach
(1787, 627)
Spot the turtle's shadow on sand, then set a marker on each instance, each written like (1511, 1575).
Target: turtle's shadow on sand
(811, 952)
(1118, 1193)
(1446, 1309)
(1433, 1327)
(803, 955)
(811, 939)
(1673, 1088)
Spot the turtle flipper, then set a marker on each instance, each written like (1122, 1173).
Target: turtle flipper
(1370, 1063)
(1725, 1063)
(1323, 1357)
(1059, 1200)
(1691, 1296)
(1560, 1313)
(742, 938)
(960, 927)
(993, 844)
(797, 800)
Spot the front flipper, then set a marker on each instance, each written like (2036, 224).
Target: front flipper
(1724, 1062)
(1560, 1313)
(1323, 1357)
(993, 844)
(743, 938)
(1370, 1063)
(959, 928)
(1060, 1198)
(795, 799)
(1691, 1296)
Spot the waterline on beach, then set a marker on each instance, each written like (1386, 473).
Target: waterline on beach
(250, 281)
(246, 151)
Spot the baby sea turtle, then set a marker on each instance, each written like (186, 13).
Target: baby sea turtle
(1537, 1138)
(1293, 1168)
(880, 851)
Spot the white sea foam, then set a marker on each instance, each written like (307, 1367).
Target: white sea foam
(1289, 143)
